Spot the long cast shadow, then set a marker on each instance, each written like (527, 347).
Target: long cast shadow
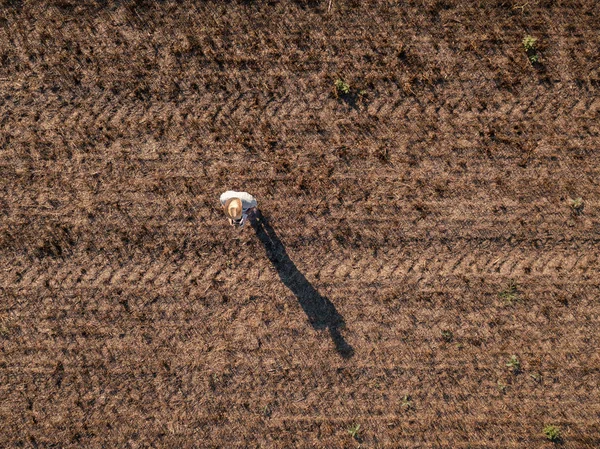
(320, 311)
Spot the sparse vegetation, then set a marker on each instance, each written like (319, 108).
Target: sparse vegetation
(406, 402)
(447, 336)
(576, 205)
(510, 293)
(352, 96)
(341, 87)
(354, 431)
(530, 46)
(529, 43)
(552, 433)
(514, 364)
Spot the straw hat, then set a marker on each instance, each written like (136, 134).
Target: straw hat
(233, 208)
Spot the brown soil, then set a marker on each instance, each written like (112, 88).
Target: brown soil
(418, 231)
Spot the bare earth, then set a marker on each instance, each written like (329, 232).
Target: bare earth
(417, 231)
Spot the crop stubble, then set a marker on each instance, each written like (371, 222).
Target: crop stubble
(132, 316)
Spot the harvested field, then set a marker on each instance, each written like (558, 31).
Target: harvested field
(421, 228)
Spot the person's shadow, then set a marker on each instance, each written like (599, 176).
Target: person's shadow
(320, 311)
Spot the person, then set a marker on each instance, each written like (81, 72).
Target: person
(238, 206)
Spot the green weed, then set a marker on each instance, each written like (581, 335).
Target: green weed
(341, 87)
(529, 43)
(552, 433)
(353, 431)
(510, 294)
(576, 205)
(530, 46)
(514, 364)
(447, 335)
(502, 387)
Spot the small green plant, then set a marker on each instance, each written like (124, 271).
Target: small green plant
(406, 402)
(530, 46)
(447, 336)
(514, 364)
(353, 431)
(510, 294)
(576, 205)
(529, 43)
(502, 387)
(552, 433)
(341, 87)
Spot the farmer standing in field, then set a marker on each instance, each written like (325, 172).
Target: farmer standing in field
(238, 206)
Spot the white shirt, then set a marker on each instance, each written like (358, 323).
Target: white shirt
(248, 202)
